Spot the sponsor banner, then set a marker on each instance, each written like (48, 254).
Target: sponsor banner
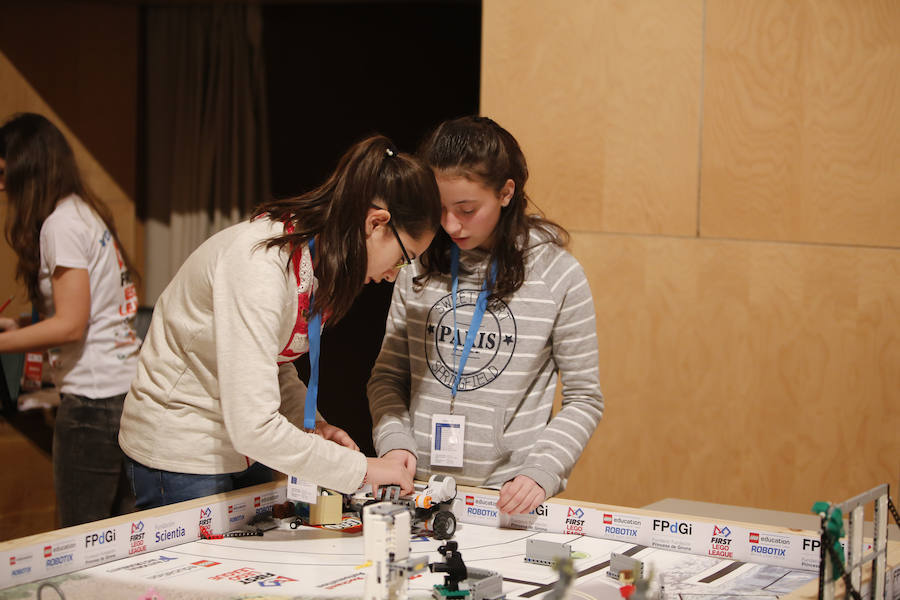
(129, 538)
(104, 545)
(545, 517)
(17, 566)
(679, 534)
(620, 526)
(479, 510)
(62, 556)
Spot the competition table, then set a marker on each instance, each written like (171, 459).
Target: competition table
(157, 554)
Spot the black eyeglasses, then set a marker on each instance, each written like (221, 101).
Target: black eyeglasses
(405, 261)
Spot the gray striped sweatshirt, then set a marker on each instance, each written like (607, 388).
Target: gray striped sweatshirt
(509, 381)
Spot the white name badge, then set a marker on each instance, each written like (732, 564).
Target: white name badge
(302, 490)
(448, 436)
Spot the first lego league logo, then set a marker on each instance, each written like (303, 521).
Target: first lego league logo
(720, 543)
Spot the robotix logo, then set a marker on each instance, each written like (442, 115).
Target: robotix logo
(256, 502)
(754, 538)
(470, 500)
(607, 519)
(48, 551)
(12, 560)
(672, 527)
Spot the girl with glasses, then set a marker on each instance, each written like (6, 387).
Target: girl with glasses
(216, 396)
(476, 340)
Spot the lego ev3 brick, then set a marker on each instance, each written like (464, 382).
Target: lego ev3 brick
(545, 552)
(621, 562)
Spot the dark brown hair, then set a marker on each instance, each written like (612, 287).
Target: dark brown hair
(335, 214)
(40, 171)
(481, 150)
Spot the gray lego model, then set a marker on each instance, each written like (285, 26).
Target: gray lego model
(621, 562)
(545, 552)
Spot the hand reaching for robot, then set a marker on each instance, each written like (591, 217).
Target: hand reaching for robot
(520, 495)
(384, 471)
(406, 458)
(335, 434)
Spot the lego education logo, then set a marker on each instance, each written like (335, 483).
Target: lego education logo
(57, 555)
(720, 543)
(263, 503)
(20, 564)
(619, 525)
(483, 508)
(772, 546)
(236, 512)
(575, 520)
(136, 541)
(492, 349)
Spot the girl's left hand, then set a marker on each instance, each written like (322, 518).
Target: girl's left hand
(335, 434)
(7, 324)
(520, 495)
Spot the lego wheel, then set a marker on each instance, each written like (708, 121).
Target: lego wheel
(444, 525)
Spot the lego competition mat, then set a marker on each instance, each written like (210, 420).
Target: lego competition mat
(157, 554)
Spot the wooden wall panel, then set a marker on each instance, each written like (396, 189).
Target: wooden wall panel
(604, 98)
(18, 95)
(801, 121)
(748, 373)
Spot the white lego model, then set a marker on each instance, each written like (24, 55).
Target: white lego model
(386, 538)
(431, 507)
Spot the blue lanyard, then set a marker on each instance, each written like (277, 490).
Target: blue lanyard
(480, 307)
(314, 333)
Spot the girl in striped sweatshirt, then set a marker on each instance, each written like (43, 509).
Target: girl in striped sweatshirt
(476, 339)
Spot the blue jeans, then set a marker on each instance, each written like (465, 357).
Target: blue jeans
(153, 487)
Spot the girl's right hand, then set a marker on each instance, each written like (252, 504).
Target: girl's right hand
(405, 458)
(384, 471)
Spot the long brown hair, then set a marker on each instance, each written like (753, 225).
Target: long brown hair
(40, 171)
(481, 150)
(335, 214)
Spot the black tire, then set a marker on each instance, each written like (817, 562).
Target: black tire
(444, 525)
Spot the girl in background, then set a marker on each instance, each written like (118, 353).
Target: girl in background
(78, 277)
(216, 396)
(465, 380)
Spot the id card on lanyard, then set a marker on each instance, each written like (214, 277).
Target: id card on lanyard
(448, 431)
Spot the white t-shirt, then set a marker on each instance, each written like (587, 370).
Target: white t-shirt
(104, 361)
